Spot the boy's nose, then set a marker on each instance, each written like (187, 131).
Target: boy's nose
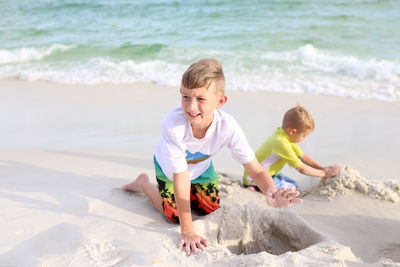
(193, 105)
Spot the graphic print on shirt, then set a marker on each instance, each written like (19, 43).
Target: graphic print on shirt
(196, 157)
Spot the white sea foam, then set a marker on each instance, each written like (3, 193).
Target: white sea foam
(98, 70)
(26, 54)
(283, 82)
(304, 70)
(380, 70)
(308, 57)
(311, 70)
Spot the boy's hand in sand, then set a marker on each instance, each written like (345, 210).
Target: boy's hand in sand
(332, 171)
(191, 241)
(337, 168)
(283, 197)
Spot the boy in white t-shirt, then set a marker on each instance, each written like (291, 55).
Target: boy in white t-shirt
(191, 135)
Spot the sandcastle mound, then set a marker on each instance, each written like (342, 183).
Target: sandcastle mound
(350, 180)
(251, 229)
(252, 235)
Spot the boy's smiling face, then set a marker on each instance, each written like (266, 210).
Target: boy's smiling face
(199, 105)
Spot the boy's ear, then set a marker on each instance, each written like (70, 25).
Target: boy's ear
(293, 131)
(222, 100)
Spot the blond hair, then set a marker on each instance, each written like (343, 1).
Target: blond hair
(205, 73)
(298, 118)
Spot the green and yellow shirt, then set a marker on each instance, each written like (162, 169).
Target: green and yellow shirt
(277, 150)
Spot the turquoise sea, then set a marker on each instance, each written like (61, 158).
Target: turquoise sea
(347, 48)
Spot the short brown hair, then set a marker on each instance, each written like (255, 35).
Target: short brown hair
(298, 118)
(205, 73)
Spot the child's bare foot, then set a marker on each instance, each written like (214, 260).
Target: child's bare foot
(251, 188)
(136, 185)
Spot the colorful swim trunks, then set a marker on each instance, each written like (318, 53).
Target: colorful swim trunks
(203, 193)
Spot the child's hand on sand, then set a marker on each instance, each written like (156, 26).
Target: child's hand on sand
(338, 168)
(191, 242)
(332, 171)
(283, 197)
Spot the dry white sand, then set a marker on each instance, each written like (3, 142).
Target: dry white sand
(66, 150)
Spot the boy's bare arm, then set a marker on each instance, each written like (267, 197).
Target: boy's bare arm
(190, 240)
(262, 179)
(310, 162)
(182, 198)
(327, 172)
(312, 168)
(276, 198)
(308, 170)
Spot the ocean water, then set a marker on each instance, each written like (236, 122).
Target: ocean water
(348, 48)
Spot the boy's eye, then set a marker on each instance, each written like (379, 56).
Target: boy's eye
(201, 99)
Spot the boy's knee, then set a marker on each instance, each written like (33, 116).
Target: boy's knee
(209, 206)
(208, 211)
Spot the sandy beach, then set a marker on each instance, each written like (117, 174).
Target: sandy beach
(66, 150)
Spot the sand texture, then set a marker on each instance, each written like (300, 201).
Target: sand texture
(66, 150)
(350, 180)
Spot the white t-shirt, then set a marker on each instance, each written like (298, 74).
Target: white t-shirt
(178, 150)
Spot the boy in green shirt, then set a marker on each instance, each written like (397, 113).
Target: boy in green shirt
(281, 147)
